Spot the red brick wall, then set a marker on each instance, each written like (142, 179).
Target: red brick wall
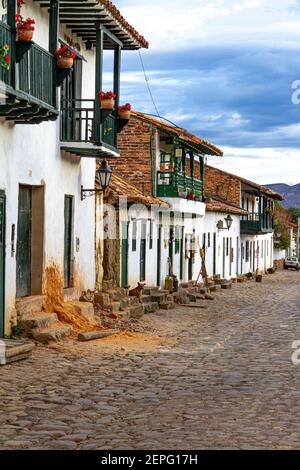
(134, 163)
(222, 185)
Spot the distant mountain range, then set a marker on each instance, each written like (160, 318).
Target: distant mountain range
(291, 194)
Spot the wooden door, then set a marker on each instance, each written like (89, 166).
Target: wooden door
(124, 260)
(24, 242)
(159, 254)
(143, 251)
(68, 241)
(2, 261)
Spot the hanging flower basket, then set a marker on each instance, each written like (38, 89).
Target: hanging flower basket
(5, 58)
(64, 57)
(124, 112)
(107, 100)
(25, 28)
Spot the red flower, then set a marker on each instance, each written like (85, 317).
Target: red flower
(7, 59)
(65, 51)
(125, 107)
(110, 95)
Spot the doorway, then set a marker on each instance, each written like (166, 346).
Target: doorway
(159, 233)
(125, 231)
(143, 251)
(215, 254)
(30, 241)
(2, 261)
(68, 242)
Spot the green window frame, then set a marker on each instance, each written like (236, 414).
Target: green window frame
(134, 235)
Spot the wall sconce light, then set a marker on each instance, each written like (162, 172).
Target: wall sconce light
(88, 45)
(228, 221)
(179, 153)
(104, 174)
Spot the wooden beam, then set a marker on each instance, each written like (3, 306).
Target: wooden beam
(98, 81)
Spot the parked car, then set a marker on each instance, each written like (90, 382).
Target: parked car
(292, 262)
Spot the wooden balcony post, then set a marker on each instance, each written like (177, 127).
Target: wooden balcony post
(117, 72)
(11, 21)
(53, 42)
(192, 167)
(202, 175)
(98, 82)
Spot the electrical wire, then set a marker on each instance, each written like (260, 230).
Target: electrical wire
(148, 84)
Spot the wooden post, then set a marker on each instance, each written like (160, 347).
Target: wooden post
(98, 82)
(117, 72)
(11, 21)
(53, 43)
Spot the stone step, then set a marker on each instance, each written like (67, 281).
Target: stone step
(167, 305)
(150, 290)
(84, 309)
(114, 307)
(159, 298)
(116, 295)
(146, 299)
(38, 320)
(28, 305)
(151, 307)
(56, 332)
(14, 350)
(137, 311)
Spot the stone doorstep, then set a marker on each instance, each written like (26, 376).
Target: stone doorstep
(28, 305)
(56, 332)
(14, 350)
(38, 320)
(150, 290)
(151, 307)
(85, 309)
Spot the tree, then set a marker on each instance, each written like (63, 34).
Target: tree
(295, 212)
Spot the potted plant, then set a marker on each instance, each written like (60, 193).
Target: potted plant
(124, 112)
(162, 168)
(25, 28)
(107, 100)
(5, 58)
(64, 57)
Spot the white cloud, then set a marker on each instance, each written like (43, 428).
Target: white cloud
(262, 165)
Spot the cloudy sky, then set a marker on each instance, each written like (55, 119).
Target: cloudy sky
(224, 70)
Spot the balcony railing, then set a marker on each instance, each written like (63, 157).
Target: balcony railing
(170, 184)
(78, 125)
(5, 38)
(257, 223)
(35, 73)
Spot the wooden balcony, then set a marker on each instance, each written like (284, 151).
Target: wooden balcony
(172, 184)
(27, 90)
(79, 128)
(257, 223)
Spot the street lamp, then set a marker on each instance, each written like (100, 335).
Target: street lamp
(104, 176)
(228, 221)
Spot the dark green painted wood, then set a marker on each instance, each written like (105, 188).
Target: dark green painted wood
(159, 234)
(181, 253)
(2, 261)
(98, 83)
(24, 242)
(11, 21)
(6, 37)
(125, 227)
(143, 251)
(68, 241)
(53, 42)
(117, 73)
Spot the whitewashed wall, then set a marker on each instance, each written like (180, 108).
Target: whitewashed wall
(261, 255)
(227, 262)
(30, 155)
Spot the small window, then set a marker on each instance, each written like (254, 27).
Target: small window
(247, 251)
(134, 233)
(208, 240)
(151, 235)
(227, 246)
(177, 240)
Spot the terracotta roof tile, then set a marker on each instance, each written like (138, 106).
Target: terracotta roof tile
(115, 12)
(118, 187)
(191, 139)
(262, 189)
(220, 206)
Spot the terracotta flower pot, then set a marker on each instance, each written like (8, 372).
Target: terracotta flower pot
(64, 62)
(125, 115)
(108, 104)
(25, 35)
(162, 168)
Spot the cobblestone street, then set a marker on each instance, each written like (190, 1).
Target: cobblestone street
(219, 377)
